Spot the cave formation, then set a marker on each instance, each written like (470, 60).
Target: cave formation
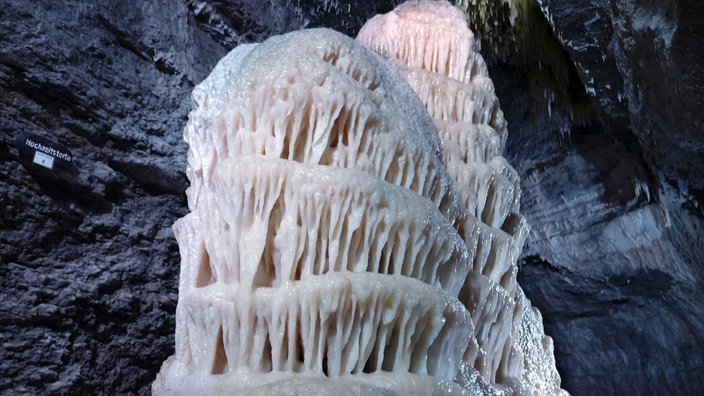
(605, 134)
(335, 233)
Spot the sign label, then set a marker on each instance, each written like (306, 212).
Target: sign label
(47, 149)
(44, 160)
(44, 152)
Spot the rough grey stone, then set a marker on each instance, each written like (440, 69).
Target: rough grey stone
(88, 262)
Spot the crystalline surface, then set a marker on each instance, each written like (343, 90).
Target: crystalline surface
(320, 98)
(431, 46)
(320, 219)
(353, 228)
(322, 239)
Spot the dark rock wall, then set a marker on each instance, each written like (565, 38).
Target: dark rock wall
(616, 257)
(658, 49)
(89, 265)
(88, 262)
(619, 288)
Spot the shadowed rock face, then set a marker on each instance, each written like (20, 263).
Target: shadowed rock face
(616, 253)
(88, 258)
(638, 59)
(88, 262)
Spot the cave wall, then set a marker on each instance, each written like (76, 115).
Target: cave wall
(89, 265)
(616, 254)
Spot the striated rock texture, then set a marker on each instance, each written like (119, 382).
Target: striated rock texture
(621, 244)
(89, 264)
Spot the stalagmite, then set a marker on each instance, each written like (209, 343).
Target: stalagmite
(346, 233)
(322, 240)
(432, 47)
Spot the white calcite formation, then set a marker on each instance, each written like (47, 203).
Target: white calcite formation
(337, 240)
(432, 47)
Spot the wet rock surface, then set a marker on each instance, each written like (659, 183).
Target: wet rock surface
(89, 265)
(615, 260)
(619, 288)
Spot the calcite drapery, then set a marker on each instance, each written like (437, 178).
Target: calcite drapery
(334, 234)
(431, 46)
